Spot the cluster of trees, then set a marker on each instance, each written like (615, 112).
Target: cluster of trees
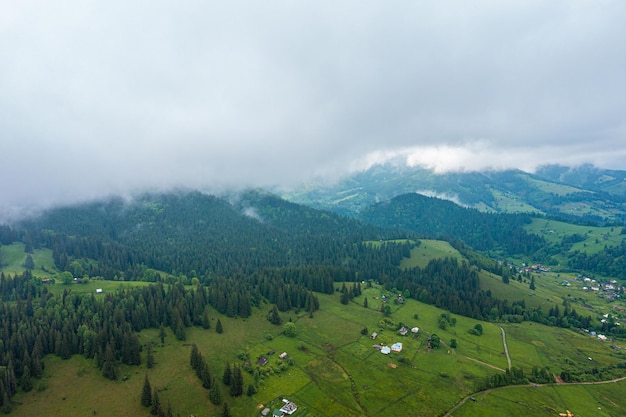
(349, 294)
(150, 398)
(201, 368)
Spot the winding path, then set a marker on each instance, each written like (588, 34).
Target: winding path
(506, 348)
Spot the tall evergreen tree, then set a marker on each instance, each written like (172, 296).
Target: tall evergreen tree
(228, 374)
(218, 326)
(146, 393)
(215, 395)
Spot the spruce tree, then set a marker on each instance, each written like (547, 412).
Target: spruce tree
(156, 403)
(215, 394)
(218, 326)
(146, 393)
(228, 373)
(226, 411)
(27, 384)
(150, 357)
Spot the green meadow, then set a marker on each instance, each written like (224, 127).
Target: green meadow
(593, 239)
(332, 369)
(12, 259)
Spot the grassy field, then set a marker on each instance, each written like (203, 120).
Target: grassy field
(548, 401)
(334, 370)
(595, 238)
(12, 259)
(427, 250)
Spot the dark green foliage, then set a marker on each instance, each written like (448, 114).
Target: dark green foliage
(514, 376)
(236, 382)
(146, 393)
(226, 411)
(218, 326)
(532, 283)
(444, 219)
(108, 365)
(273, 316)
(251, 390)
(453, 343)
(227, 376)
(156, 408)
(26, 382)
(215, 395)
(435, 341)
(29, 263)
(150, 357)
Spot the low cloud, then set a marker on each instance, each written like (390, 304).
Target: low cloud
(102, 98)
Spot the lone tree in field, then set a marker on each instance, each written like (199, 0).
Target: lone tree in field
(290, 329)
(218, 326)
(146, 393)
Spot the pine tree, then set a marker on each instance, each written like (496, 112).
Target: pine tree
(365, 302)
(27, 384)
(532, 283)
(205, 377)
(274, 317)
(236, 382)
(150, 357)
(226, 411)
(215, 394)
(218, 326)
(108, 366)
(228, 374)
(156, 403)
(146, 393)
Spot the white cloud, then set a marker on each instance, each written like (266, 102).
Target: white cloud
(104, 97)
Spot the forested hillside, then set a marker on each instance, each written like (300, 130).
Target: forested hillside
(443, 219)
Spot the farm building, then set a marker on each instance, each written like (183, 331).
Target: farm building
(415, 330)
(289, 407)
(403, 331)
(385, 350)
(397, 347)
(283, 355)
(262, 361)
(374, 335)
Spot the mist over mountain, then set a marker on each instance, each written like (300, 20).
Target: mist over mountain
(581, 193)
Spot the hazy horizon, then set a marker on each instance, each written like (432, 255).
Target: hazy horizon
(112, 98)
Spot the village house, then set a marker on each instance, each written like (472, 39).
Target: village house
(283, 355)
(403, 331)
(374, 335)
(396, 347)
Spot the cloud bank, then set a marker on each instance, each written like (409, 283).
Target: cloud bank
(107, 97)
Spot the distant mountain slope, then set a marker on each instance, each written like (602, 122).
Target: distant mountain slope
(587, 194)
(195, 233)
(438, 218)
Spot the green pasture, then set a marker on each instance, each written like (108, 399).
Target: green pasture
(428, 250)
(605, 400)
(595, 237)
(12, 259)
(510, 203)
(332, 368)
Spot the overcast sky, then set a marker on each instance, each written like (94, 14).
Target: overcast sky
(100, 97)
